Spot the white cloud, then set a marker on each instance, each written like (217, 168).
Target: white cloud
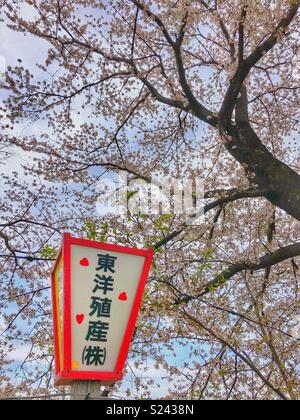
(2, 65)
(19, 354)
(2, 325)
(295, 330)
(158, 390)
(151, 371)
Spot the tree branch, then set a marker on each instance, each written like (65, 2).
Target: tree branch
(245, 66)
(266, 261)
(158, 21)
(223, 27)
(198, 109)
(241, 355)
(242, 33)
(238, 195)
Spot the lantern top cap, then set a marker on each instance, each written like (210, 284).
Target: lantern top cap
(68, 240)
(97, 244)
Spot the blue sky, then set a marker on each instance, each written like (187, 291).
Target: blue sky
(13, 46)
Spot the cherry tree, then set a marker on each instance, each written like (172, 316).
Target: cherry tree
(163, 90)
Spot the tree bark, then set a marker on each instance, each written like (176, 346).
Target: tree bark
(269, 173)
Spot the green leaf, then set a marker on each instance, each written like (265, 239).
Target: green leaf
(131, 194)
(48, 252)
(90, 230)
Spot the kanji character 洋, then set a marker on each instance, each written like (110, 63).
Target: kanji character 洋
(103, 283)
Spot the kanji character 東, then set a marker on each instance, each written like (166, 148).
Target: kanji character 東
(106, 263)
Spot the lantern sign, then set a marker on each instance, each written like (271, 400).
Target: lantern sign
(97, 291)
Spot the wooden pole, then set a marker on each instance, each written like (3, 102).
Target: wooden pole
(85, 390)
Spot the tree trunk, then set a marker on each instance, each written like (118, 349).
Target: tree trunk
(269, 173)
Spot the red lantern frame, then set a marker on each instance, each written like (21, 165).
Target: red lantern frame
(65, 375)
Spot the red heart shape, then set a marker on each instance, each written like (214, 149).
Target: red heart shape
(80, 319)
(84, 262)
(123, 296)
